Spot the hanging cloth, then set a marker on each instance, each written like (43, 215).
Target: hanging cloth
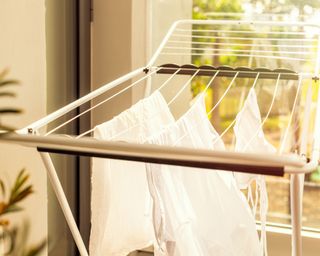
(198, 212)
(120, 198)
(250, 138)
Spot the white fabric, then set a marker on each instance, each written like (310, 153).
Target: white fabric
(196, 211)
(250, 138)
(120, 198)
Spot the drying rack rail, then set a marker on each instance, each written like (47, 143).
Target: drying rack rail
(179, 43)
(270, 164)
(227, 71)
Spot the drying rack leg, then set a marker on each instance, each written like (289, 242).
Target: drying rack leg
(296, 213)
(55, 182)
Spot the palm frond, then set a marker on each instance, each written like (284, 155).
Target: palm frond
(5, 128)
(19, 191)
(4, 82)
(7, 94)
(20, 177)
(36, 249)
(12, 209)
(3, 207)
(10, 111)
(8, 82)
(3, 188)
(21, 195)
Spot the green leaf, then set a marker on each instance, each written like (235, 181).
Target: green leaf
(20, 181)
(8, 82)
(3, 207)
(21, 195)
(3, 188)
(6, 129)
(7, 94)
(37, 249)
(10, 111)
(20, 175)
(12, 208)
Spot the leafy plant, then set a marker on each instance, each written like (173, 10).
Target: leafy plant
(4, 92)
(14, 239)
(19, 191)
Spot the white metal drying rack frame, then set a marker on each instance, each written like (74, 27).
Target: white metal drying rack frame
(245, 162)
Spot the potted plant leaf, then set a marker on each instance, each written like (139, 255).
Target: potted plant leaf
(4, 93)
(14, 238)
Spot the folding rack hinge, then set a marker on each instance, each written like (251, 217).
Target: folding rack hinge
(315, 78)
(146, 70)
(30, 131)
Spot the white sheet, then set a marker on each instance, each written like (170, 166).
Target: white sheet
(120, 196)
(197, 211)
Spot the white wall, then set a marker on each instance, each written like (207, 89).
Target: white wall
(111, 51)
(22, 50)
(124, 42)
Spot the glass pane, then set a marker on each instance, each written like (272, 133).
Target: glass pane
(279, 116)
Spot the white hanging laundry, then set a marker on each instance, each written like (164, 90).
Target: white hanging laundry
(198, 212)
(120, 196)
(249, 135)
(250, 138)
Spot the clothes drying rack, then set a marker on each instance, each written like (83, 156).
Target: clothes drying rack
(205, 38)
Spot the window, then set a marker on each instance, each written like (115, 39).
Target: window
(276, 123)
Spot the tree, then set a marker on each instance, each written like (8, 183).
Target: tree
(200, 9)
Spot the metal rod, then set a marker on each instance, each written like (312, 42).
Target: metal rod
(239, 55)
(297, 180)
(316, 134)
(228, 72)
(163, 43)
(56, 185)
(237, 50)
(243, 31)
(60, 112)
(242, 44)
(95, 147)
(296, 212)
(246, 38)
(101, 102)
(247, 22)
(222, 22)
(235, 167)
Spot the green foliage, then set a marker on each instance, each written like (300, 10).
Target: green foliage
(16, 237)
(4, 92)
(201, 7)
(19, 191)
(274, 6)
